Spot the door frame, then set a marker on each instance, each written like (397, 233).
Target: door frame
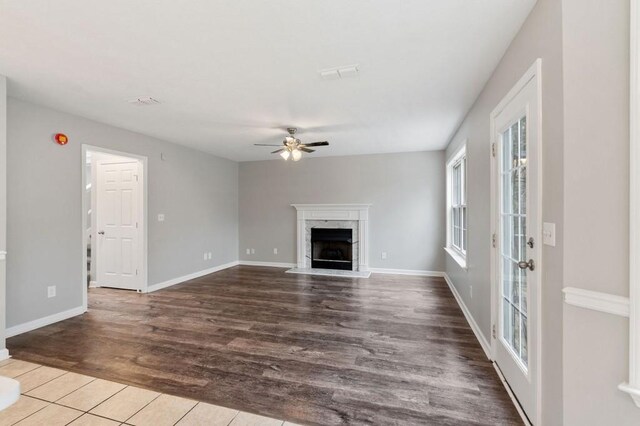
(144, 217)
(534, 72)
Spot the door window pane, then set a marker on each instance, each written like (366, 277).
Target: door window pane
(513, 230)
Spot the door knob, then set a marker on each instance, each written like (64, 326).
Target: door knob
(527, 265)
(100, 232)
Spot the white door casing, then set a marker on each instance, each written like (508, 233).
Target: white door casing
(516, 255)
(118, 219)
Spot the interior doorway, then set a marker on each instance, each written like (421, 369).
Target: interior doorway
(114, 220)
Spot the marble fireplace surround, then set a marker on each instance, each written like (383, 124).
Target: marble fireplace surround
(343, 216)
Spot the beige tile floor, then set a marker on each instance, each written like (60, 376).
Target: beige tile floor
(54, 397)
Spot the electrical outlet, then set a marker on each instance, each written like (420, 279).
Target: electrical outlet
(248, 251)
(161, 217)
(383, 255)
(253, 251)
(275, 251)
(209, 255)
(205, 256)
(51, 291)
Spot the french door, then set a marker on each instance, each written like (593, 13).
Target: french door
(516, 206)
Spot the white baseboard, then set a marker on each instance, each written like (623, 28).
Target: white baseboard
(4, 354)
(41, 322)
(269, 264)
(178, 280)
(417, 272)
(472, 323)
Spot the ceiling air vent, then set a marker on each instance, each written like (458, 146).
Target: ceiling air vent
(348, 71)
(148, 100)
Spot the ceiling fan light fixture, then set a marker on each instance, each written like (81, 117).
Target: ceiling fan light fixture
(285, 154)
(296, 154)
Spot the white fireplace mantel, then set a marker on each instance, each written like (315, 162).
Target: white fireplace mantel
(342, 212)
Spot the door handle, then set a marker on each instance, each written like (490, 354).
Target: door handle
(100, 232)
(527, 265)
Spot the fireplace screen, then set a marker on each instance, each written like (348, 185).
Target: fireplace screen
(332, 248)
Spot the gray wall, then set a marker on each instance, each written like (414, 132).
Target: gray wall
(197, 192)
(539, 37)
(407, 193)
(596, 96)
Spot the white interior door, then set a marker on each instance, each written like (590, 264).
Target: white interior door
(517, 248)
(118, 224)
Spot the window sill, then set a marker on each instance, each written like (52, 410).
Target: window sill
(457, 257)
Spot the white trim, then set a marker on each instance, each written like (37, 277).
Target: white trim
(603, 302)
(145, 217)
(486, 347)
(633, 392)
(632, 387)
(41, 322)
(267, 264)
(4, 354)
(415, 272)
(514, 400)
(331, 207)
(534, 72)
(461, 261)
(178, 280)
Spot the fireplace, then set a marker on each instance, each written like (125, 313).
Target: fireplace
(341, 231)
(332, 248)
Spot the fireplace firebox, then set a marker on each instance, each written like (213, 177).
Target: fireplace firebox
(332, 248)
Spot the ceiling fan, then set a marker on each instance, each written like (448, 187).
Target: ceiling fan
(293, 147)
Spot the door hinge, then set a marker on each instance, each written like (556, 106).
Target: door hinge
(493, 241)
(136, 224)
(493, 331)
(136, 177)
(136, 272)
(493, 149)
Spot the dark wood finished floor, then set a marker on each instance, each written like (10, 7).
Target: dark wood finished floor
(309, 349)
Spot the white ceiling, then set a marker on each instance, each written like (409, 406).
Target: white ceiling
(237, 72)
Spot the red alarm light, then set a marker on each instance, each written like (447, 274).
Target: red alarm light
(61, 139)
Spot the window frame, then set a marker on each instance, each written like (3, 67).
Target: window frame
(457, 212)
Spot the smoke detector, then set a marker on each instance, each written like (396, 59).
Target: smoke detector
(144, 101)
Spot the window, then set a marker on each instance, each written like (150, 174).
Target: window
(457, 207)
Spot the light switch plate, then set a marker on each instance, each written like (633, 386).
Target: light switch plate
(161, 217)
(549, 234)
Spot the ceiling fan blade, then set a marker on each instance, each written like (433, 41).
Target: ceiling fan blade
(325, 143)
(265, 144)
(305, 149)
(277, 151)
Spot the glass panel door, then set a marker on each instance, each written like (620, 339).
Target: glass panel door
(513, 228)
